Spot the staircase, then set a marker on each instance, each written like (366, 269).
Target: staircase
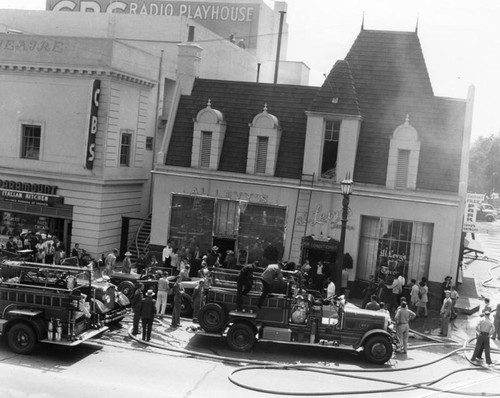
(303, 208)
(142, 239)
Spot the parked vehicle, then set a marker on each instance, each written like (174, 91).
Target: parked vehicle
(292, 318)
(127, 283)
(54, 304)
(486, 212)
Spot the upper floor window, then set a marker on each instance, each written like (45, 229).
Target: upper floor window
(125, 148)
(263, 144)
(31, 141)
(208, 137)
(404, 153)
(149, 143)
(261, 156)
(402, 168)
(205, 149)
(330, 149)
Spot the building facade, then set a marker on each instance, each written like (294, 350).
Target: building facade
(82, 98)
(248, 165)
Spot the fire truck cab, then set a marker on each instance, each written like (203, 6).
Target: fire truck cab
(54, 304)
(294, 317)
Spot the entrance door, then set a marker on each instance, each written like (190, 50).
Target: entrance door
(224, 244)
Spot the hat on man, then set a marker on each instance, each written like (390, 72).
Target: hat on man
(205, 257)
(128, 254)
(215, 248)
(150, 293)
(487, 312)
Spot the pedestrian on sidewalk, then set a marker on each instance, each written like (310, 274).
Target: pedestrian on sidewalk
(422, 297)
(148, 311)
(445, 313)
(454, 298)
(484, 330)
(176, 311)
(402, 318)
(487, 306)
(445, 286)
(135, 303)
(161, 302)
(414, 294)
(496, 323)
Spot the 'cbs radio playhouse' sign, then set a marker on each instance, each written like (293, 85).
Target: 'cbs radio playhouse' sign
(240, 19)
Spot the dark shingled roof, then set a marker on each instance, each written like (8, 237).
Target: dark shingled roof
(382, 79)
(240, 102)
(338, 94)
(391, 81)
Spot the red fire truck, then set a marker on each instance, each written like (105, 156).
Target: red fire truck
(54, 304)
(294, 317)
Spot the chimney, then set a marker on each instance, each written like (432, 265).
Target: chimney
(188, 64)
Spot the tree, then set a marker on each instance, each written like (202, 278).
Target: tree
(484, 165)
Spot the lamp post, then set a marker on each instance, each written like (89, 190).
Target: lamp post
(346, 189)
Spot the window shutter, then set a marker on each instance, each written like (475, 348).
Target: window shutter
(402, 168)
(206, 146)
(260, 163)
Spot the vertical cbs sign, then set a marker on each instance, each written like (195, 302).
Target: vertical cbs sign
(92, 129)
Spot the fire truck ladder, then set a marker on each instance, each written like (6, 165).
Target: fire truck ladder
(303, 207)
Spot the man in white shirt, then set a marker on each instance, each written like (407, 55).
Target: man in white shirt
(166, 256)
(330, 290)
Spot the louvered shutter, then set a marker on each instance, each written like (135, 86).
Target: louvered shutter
(402, 168)
(260, 163)
(206, 146)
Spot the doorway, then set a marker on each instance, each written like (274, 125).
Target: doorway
(224, 244)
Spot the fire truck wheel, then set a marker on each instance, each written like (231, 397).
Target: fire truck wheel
(212, 318)
(21, 339)
(240, 337)
(378, 349)
(127, 288)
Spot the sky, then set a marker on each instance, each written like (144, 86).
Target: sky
(459, 39)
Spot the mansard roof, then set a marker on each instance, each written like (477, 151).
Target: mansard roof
(391, 80)
(338, 94)
(240, 102)
(382, 79)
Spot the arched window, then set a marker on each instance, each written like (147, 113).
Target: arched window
(208, 136)
(404, 153)
(263, 144)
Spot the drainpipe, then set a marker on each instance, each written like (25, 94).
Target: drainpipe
(258, 72)
(280, 33)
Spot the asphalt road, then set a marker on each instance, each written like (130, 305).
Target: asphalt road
(118, 366)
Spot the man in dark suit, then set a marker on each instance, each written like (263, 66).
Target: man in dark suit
(136, 304)
(148, 311)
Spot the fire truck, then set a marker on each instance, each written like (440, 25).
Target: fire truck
(54, 304)
(295, 317)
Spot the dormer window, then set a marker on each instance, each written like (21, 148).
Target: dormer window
(263, 144)
(404, 153)
(208, 136)
(330, 149)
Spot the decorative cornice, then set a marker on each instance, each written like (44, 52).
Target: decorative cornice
(66, 70)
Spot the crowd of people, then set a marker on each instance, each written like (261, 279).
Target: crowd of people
(39, 247)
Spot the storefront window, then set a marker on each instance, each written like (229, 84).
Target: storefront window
(389, 247)
(199, 221)
(191, 222)
(261, 226)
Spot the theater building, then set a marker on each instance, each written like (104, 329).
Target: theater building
(82, 97)
(247, 165)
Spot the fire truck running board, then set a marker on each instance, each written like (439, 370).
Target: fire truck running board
(81, 338)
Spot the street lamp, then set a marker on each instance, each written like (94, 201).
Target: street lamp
(346, 189)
